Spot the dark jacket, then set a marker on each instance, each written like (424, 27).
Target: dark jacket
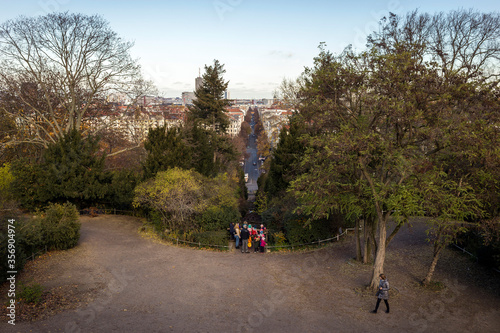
(384, 292)
(245, 234)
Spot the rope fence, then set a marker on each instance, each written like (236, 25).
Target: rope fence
(34, 255)
(319, 241)
(199, 244)
(472, 255)
(176, 240)
(108, 211)
(465, 251)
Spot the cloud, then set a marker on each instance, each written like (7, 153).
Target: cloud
(281, 54)
(182, 84)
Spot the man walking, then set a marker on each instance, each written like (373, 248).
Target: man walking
(245, 234)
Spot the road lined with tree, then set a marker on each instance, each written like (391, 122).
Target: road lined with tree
(252, 162)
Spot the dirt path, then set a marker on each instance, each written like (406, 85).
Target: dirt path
(120, 281)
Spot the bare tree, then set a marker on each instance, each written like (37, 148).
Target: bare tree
(464, 42)
(288, 92)
(57, 70)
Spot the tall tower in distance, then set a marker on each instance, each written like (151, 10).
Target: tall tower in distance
(198, 82)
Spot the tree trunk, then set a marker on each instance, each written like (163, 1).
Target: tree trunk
(393, 233)
(367, 241)
(373, 237)
(437, 252)
(381, 223)
(358, 242)
(378, 265)
(123, 150)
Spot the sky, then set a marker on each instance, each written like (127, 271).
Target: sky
(260, 42)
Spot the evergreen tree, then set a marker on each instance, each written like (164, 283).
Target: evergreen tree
(204, 145)
(74, 170)
(207, 123)
(71, 171)
(209, 104)
(190, 147)
(286, 158)
(166, 149)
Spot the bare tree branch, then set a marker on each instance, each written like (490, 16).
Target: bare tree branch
(55, 69)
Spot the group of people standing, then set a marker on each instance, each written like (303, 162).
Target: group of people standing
(249, 237)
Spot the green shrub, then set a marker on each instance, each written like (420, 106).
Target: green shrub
(279, 240)
(32, 235)
(6, 179)
(20, 253)
(26, 186)
(297, 232)
(60, 226)
(156, 220)
(219, 238)
(30, 293)
(484, 243)
(121, 190)
(218, 218)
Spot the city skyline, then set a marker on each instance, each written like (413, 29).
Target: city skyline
(260, 43)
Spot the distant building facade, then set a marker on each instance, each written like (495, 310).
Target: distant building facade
(134, 122)
(236, 118)
(198, 83)
(188, 97)
(274, 120)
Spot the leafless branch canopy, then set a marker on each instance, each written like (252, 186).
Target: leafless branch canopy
(57, 70)
(464, 42)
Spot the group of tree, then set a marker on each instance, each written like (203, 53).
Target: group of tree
(407, 127)
(192, 181)
(71, 170)
(56, 72)
(187, 200)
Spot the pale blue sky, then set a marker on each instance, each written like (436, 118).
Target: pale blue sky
(260, 42)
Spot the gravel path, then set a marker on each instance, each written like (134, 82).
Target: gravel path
(124, 282)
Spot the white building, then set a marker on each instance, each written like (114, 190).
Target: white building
(236, 117)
